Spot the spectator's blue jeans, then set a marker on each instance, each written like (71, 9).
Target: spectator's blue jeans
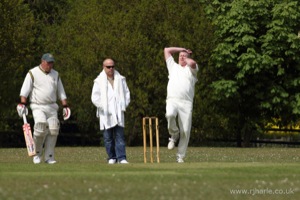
(114, 141)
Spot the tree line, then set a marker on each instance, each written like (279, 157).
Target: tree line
(247, 52)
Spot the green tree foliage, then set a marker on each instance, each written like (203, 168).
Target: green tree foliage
(16, 44)
(257, 61)
(46, 14)
(133, 33)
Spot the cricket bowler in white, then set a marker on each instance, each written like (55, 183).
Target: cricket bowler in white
(180, 95)
(42, 87)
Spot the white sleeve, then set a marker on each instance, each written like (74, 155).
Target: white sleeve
(96, 95)
(127, 94)
(194, 71)
(61, 91)
(27, 86)
(170, 62)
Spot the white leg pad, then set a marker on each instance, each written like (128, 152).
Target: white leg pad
(40, 131)
(53, 126)
(50, 143)
(39, 141)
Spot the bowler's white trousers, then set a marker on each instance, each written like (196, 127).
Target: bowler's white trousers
(182, 109)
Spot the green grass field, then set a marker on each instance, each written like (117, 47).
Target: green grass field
(208, 173)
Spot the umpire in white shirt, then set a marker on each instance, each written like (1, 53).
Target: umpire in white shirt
(111, 96)
(41, 88)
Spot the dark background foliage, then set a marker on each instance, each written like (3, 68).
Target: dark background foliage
(247, 52)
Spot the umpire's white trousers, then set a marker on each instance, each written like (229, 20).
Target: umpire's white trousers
(183, 110)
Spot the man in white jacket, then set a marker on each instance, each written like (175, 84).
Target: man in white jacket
(111, 96)
(180, 95)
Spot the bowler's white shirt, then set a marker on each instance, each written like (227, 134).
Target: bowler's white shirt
(181, 81)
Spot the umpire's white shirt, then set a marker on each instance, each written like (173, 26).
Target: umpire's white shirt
(115, 115)
(43, 88)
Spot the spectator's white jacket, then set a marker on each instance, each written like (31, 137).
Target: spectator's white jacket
(111, 102)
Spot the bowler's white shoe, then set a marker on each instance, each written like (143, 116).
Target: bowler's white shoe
(123, 162)
(36, 160)
(112, 161)
(50, 161)
(171, 144)
(180, 160)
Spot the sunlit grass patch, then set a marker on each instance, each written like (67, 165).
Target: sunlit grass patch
(208, 173)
